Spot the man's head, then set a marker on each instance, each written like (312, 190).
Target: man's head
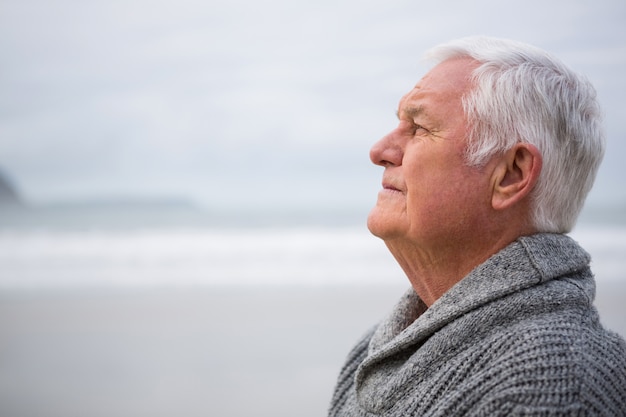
(488, 100)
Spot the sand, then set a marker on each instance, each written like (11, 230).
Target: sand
(190, 352)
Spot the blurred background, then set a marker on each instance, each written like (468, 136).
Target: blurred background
(184, 187)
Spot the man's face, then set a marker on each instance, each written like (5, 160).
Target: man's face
(429, 195)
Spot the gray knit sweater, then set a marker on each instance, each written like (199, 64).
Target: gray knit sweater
(518, 336)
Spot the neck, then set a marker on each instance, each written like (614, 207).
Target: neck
(433, 271)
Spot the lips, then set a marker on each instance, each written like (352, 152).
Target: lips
(389, 186)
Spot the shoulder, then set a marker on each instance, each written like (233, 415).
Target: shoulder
(554, 364)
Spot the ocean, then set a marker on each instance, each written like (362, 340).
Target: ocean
(196, 319)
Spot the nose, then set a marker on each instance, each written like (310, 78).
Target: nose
(387, 151)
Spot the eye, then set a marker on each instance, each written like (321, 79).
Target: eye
(419, 129)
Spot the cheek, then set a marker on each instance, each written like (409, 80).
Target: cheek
(445, 196)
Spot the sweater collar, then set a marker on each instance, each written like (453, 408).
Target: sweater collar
(524, 263)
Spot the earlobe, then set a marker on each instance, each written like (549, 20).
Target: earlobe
(515, 175)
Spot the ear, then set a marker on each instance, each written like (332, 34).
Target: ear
(515, 175)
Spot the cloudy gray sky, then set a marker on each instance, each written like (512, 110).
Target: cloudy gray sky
(243, 102)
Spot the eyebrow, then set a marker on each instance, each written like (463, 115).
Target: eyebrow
(411, 111)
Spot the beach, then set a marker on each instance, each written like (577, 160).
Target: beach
(193, 352)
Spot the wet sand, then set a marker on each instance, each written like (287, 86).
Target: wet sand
(191, 352)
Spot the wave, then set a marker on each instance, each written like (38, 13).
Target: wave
(248, 257)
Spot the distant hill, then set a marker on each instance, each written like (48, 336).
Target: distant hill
(8, 194)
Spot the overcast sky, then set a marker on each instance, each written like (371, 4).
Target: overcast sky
(243, 102)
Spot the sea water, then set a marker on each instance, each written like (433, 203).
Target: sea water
(208, 257)
(294, 256)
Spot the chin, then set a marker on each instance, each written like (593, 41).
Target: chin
(372, 226)
(380, 223)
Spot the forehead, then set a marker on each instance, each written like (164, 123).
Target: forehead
(443, 86)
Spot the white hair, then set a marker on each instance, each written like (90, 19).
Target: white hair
(522, 94)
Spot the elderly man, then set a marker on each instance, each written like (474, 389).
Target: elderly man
(495, 151)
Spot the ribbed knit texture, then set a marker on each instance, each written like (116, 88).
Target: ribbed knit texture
(518, 336)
